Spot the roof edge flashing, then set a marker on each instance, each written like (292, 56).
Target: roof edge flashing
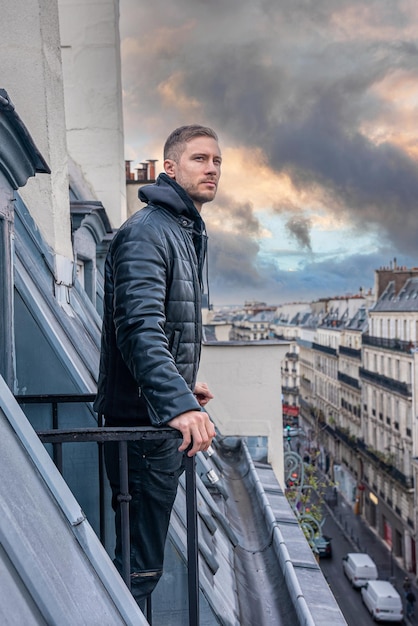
(292, 582)
(19, 157)
(86, 538)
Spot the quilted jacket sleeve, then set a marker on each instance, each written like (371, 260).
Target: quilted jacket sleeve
(142, 270)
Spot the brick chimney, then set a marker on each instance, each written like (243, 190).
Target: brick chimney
(151, 169)
(128, 174)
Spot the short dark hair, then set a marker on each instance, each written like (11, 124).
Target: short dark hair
(175, 144)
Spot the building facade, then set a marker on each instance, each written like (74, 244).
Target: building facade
(350, 380)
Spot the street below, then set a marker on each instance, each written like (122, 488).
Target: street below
(348, 599)
(350, 533)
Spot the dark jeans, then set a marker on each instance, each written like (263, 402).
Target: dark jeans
(154, 470)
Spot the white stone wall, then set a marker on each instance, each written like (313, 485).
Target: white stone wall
(401, 325)
(31, 73)
(246, 382)
(93, 98)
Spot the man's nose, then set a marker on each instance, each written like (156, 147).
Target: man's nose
(211, 166)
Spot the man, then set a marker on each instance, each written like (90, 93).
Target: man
(410, 603)
(151, 341)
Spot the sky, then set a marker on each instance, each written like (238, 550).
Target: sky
(315, 103)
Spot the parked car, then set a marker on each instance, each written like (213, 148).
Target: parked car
(359, 568)
(383, 601)
(323, 546)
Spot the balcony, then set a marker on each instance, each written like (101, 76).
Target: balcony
(404, 389)
(348, 380)
(348, 439)
(388, 344)
(326, 349)
(406, 482)
(355, 354)
(290, 390)
(219, 536)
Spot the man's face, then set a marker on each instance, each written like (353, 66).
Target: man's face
(198, 169)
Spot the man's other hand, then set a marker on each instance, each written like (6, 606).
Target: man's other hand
(202, 393)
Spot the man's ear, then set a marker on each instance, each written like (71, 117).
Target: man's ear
(170, 168)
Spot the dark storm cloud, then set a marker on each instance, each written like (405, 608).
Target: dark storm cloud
(299, 228)
(239, 216)
(233, 246)
(319, 144)
(374, 185)
(330, 277)
(232, 260)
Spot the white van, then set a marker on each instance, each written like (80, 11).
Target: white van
(383, 601)
(359, 568)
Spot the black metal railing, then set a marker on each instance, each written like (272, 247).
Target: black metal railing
(356, 354)
(398, 345)
(290, 390)
(348, 380)
(391, 384)
(326, 349)
(57, 437)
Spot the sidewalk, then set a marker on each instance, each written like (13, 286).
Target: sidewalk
(364, 539)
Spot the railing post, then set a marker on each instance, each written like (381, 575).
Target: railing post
(101, 472)
(57, 447)
(192, 541)
(124, 497)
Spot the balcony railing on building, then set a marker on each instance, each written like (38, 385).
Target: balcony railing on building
(355, 354)
(391, 384)
(57, 437)
(407, 482)
(357, 445)
(398, 345)
(348, 380)
(290, 390)
(326, 349)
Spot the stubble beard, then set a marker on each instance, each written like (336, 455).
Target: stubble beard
(200, 197)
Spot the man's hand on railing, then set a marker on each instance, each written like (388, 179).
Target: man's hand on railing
(197, 430)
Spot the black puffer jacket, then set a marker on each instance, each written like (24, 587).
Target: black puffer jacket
(151, 332)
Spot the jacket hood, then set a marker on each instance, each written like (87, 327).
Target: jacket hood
(167, 193)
